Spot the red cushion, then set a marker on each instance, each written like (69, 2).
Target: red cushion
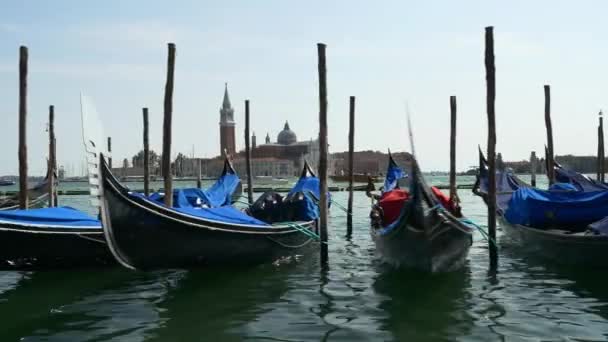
(391, 203)
(444, 199)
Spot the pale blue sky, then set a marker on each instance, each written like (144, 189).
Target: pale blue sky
(385, 53)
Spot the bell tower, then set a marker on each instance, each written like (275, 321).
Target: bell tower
(227, 141)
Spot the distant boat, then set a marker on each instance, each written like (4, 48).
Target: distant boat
(7, 182)
(358, 178)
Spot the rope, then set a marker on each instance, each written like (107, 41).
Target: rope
(314, 199)
(436, 207)
(478, 227)
(289, 246)
(303, 230)
(341, 207)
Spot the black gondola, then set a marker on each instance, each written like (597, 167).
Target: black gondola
(143, 234)
(425, 236)
(578, 244)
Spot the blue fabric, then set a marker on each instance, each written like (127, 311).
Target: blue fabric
(55, 217)
(563, 187)
(544, 209)
(306, 208)
(225, 214)
(306, 185)
(219, 194)
(393, 175)
(581, 182)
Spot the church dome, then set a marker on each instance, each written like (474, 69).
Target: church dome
(287, 136)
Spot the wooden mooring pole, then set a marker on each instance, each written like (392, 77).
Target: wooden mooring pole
(323, 151)
(601, 152)
(23, 61)
(146, 153)
(52, 163)
(110, 152)
(533, 166)
(491, 99)
(453, 191)
(248, 155)
(168, 112)
(351, 156)
(199, 183)
(550, 154)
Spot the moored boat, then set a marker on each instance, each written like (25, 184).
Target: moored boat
(424, 233)
(566, 224)
(37, 196)
(7, 182)
(144, 234)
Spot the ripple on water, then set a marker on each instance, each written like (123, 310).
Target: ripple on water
(356, 299)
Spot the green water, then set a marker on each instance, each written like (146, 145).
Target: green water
(357, 299)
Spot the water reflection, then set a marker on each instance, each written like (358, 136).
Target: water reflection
(423, 307)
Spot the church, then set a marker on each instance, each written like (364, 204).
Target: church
(283, 158)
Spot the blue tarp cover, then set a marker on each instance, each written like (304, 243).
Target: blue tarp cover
(55, 217)
(545, 209)
(227, 214)
(393, 175)
(580, 181)
(563, 187)
(218, 195)
(307, 209)
(306, 185)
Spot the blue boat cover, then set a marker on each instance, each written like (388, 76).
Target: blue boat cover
(307, 208)
(307, 184)
(226, 214)
(581, 182)
(218, 195)
(393, 175)
(57, 217)
(563, 187)
(548, 209)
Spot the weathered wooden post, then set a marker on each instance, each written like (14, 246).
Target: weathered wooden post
(168, 112)
(533, 166)
(146, 153)
(453, 191)
(351, 156)
(323, 150)
(248, 155)
(52, 164)
(198, 178)
(490, 100)
(598, 158)
(550, 154)
(23, 61)
(601, 156)
(110, 152)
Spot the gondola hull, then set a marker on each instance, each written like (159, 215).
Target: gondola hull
(55, 246)
(559, 246)
(443, 249)
(145, 235)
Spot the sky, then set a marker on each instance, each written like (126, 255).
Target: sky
(386, 53)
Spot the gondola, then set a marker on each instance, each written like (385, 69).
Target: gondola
(425, 235)
(566, 225)
(37, 196)
(144, 234)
